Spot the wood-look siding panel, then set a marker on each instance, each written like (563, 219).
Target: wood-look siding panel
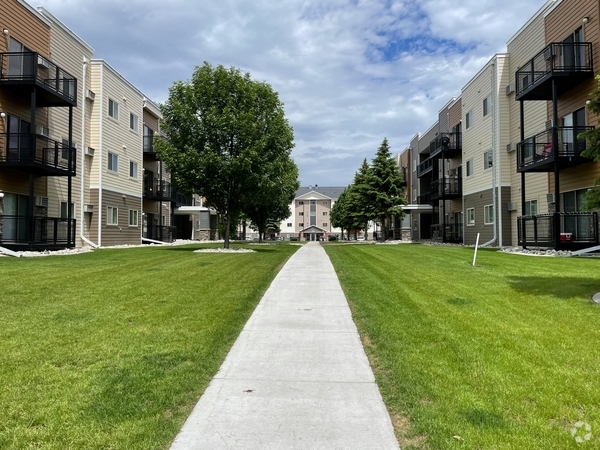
(426, 139)
(121, 233)
(14, 182)
(150, 120)
(455, 113)
(579, 177)
(24, 26)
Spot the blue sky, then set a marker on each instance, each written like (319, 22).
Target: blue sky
(350, 72)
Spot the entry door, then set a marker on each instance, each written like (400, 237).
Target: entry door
(19, 139)
(15, 217)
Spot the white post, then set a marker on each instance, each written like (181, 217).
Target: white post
(476, 245)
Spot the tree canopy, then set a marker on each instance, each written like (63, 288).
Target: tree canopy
(227, 139)
(592, 198)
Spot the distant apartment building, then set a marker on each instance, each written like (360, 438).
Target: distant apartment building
(77, 165)
(523, 177)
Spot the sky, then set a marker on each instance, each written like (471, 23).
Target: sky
(349, 72)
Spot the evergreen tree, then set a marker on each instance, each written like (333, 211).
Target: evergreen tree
(361, 197)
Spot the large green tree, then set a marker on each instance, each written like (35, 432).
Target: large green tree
(386, 184)
(361, 197)
(222, 129)
(340, 215)
(592, 197)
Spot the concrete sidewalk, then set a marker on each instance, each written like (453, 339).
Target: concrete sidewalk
(297, 377)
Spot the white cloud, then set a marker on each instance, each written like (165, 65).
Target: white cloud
(350, 72)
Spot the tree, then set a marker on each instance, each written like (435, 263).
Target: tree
(361, 197)
(592, 197)
(340, 216)
(222, 131)
(386, 183)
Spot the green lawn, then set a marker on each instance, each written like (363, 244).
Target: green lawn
(111, 349)
(504, 355)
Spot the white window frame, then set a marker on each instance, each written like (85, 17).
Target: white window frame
(289, 225)
(528, 206)
(470, 166)
(488, 210)
(324, 213)
(488, 160)
(135, 216)
(469, 120)
(487, 105)
(470, 217)
(113, 109)
(112, 213)
(112, 163)
(63, 210)
(301, 213)
(133, 165)
(134, 122)
(325, 225)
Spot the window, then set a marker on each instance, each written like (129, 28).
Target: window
(63, 210)
(488, 214)
(470, 216)
(414, 165)
(112, 216)
(300, 203)
(531, 208)
(469, 167)
(324, 213)
(64, 154)
(469, 119)
(313, 202)
(325, 224)
(289, 225)
(133, 122)
(133, 169)
(487, 105)
(301, 213)
(488, 160)
(133, 218)
(301, 225)
(325, 203)
(113, 162)
(113, 109)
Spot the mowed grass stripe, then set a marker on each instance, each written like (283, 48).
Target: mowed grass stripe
(112, 349)
(502, 355)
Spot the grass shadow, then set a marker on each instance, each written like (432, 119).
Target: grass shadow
(485, 419)
(559, 287)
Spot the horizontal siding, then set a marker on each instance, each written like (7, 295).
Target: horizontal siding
(579, 177)
(14, 182)
(25, 27)
(95, 216)
(121, 233)
(150, 120)
(478, 201)
(455, 113)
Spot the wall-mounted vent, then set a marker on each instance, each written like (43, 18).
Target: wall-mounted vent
(44, 131)
(549, 124)
(41, 201)
(89, 151)
(88, 208)
(511, 147)
(512, 206)
(550, 198)
(43, 62)
(90, 94)
(510, 88)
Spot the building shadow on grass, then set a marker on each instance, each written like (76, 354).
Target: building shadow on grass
(559, 287)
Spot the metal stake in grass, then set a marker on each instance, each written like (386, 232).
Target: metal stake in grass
(476, 244)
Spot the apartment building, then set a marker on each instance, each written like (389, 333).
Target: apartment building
(524, 179)
(77, 165)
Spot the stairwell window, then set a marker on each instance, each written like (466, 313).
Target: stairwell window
(113, 109)
(487, 105)
(469, 120)
(133, 122)
(133, 169)
(470, 216)
(488, 160)
(470, 167)
(112, 215)
(113, 162)
(488, 214)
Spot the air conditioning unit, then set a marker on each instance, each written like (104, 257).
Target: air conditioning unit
(89, 151)
(550, 198)
(41, 201)
(511, 147)
(43, 62)
(90, 94)
(547, 53)
(511, 206)
(88, 208)
(44, 131)
(510, 88)
(549, 124)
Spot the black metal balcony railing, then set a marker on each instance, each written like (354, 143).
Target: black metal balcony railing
(181, 199)
(158, 190)
(161, 233)
(425, 167)
(446, 145)
(149, 146)
(448, 232)
(568, 63)
(37, 154)
(36, 232)
(537, 154)
(424, 199)
(21, 69)
(446, 188)
(559, 230)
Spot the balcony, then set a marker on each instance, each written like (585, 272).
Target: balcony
(425, 168)
(36, 154)
(180, 199)
(562, 231)
(446, 145)
(20, 71)
(36, 233)
(567, 64)
(538, 154)
(446, 188)
(161, 233)
(453, 232)
(158, 191)
(149, 147)
(424, 199)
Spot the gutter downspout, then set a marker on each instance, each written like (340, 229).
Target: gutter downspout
(83, 146)
(100, 155)
(494, 159)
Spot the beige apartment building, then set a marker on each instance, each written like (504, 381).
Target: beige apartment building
(523, 177)
(77, 165)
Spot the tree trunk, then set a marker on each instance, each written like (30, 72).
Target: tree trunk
(227, 227)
